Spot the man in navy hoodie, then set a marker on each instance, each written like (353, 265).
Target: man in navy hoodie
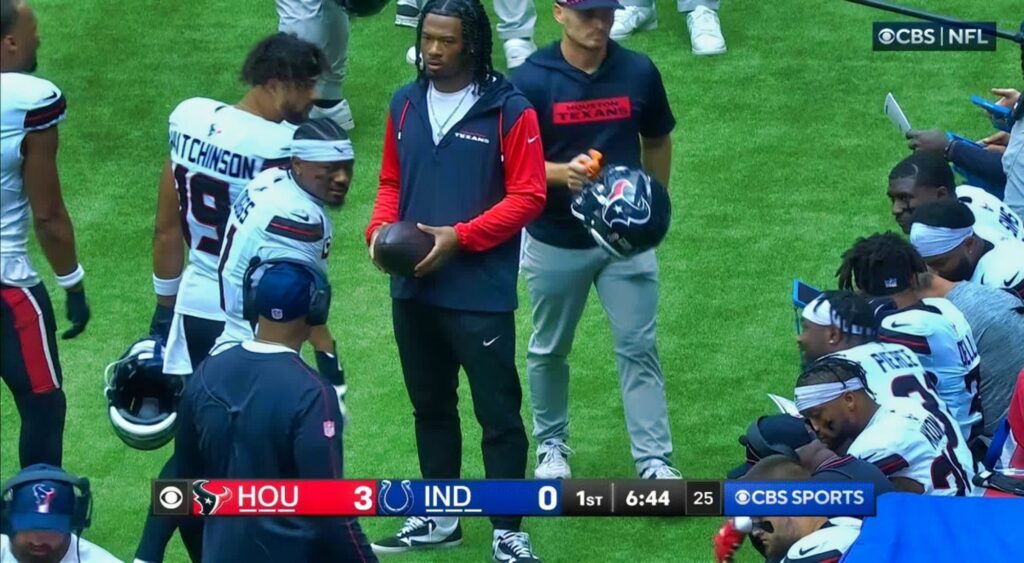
(591, 93)
(463, 159)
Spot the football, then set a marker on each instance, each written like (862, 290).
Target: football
(400, 246)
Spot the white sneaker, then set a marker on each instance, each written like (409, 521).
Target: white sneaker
(552, 460)
(406, 16)
(512, 547)
(632, 19)
(420, 533)
(339, 112)
(659, 470)
(705, 32)
(517, 50)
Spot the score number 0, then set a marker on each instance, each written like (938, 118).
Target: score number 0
(547, 498)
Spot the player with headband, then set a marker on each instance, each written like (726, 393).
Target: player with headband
(906, 442)
(943, 233)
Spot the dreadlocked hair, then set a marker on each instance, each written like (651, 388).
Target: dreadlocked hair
(881, 264)
(476, 37)
(856, 316)
(831, 369)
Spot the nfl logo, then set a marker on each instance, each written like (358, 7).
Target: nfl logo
(277, 314)
(890, 283)
(329, 428)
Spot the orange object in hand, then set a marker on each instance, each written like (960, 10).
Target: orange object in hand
(595, 164)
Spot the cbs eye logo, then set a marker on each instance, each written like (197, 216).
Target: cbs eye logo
(742, 497)
(170, 498)
(886, 36)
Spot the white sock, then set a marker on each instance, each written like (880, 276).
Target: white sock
(499, 533)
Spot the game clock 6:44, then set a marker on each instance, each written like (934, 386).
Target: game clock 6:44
(650, 498)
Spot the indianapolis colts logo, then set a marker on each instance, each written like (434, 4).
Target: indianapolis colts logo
(626, 205)
(44, 496)
(407, 498)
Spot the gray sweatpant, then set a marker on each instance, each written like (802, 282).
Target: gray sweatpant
(683, 6)
(559, 280)
(516, 18)
(325, 24)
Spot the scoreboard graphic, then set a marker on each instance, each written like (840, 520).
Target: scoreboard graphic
(405, 497)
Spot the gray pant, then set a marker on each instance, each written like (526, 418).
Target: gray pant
(516, 18)
(325, 24)
(559, 280)
(682, 5)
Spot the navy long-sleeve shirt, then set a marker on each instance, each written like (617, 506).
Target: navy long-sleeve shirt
(256, 411)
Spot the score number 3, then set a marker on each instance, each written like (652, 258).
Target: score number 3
(364, 498)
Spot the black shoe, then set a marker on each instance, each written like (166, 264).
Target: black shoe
(513, 547)
(406, 16)
(421, 533)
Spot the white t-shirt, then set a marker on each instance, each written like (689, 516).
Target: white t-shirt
(80, 551)
(448, 108)
(1013, 166)
(27, 104)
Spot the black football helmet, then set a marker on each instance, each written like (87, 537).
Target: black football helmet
(362, 8)
(625, 210)
(143, 401)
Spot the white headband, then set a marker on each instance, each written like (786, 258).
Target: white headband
(933, 241)
(819, 311)
(313, 150)
(810, 396)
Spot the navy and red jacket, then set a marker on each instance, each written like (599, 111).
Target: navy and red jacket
(485, 178)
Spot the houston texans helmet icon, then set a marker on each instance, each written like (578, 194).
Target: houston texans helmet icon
(44, 495)
(206, 500)
(625, 210)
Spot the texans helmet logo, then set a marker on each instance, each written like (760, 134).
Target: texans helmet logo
(626, 205)
(44, 496)
(208, 501)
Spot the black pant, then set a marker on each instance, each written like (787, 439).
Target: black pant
(31, 369)
(433, 343)
(200, 334)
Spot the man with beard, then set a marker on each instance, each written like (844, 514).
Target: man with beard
(944, 234)
(906, 442)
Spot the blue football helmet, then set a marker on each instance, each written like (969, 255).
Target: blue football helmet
(625, 210)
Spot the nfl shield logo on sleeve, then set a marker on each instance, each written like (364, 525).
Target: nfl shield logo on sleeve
(329, 428)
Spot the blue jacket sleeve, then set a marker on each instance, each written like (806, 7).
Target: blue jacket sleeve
(187, 457)
(984, 166)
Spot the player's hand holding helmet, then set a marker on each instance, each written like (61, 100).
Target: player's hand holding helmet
(625, 209)
(142, 401)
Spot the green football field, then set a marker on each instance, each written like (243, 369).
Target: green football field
(781, 157)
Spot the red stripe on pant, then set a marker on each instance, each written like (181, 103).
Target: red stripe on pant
(31, 328)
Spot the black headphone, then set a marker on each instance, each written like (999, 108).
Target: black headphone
(319, 298)
(756, 441)
(81, 512)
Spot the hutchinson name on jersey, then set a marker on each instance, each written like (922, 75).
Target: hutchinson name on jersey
(273, 218)
(216, 150)
(904, 440)
(27, 104)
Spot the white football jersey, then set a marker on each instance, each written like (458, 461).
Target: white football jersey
(27, 104)
(904, 440)
(993, 220)
(1002, 267)
(827, 543)
(216, 150)
(273, 218)
(939, 334)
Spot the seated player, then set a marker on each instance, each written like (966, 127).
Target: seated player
(943, 233)
(840, 324)
(906, 442)
(924, 177)
(803, 539)
(886, 266)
